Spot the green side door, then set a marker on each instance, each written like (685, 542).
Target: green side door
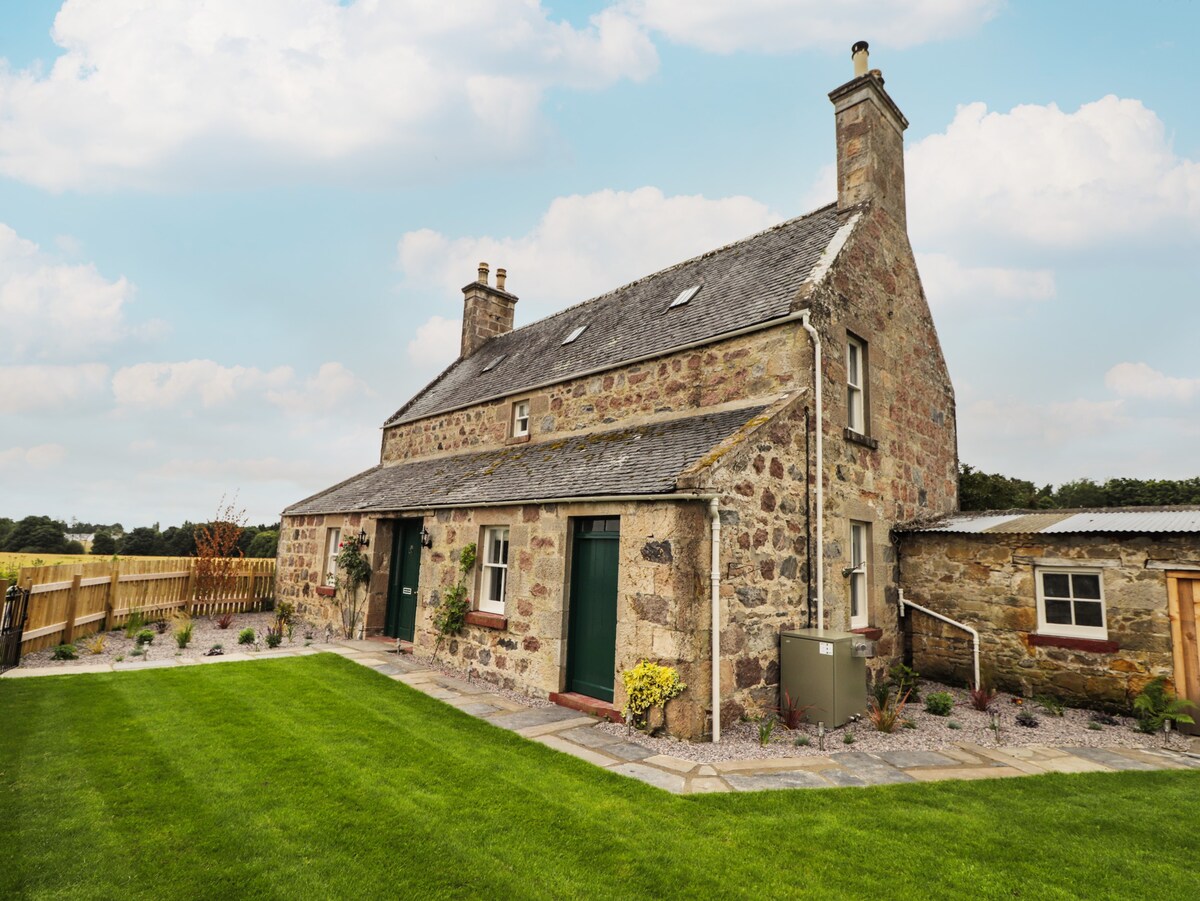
(404, 579)
(592, 623)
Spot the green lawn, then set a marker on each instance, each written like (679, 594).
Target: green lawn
(315, 777)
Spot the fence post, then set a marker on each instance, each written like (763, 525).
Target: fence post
(189, 590)
(110, 598)
(72, 605)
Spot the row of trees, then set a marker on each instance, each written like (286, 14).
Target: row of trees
(993, 491)
(43, 535)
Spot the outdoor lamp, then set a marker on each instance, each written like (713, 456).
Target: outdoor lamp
(362, 538)
(426, 538)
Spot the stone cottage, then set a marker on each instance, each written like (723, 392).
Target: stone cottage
(1083, 605)
(675, 470)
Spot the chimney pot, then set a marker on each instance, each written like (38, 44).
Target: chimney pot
(483, 273)
(859, 54)
(501, 275)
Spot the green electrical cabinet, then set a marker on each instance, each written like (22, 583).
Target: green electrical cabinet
(824, 671)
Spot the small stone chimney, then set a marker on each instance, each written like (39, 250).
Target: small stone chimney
(487, 311)
(870, 140)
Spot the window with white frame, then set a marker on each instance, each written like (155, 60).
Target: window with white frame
(333, 538)
(860, 536)
(520, 423)
(1071, 603)
(495, 569)
(856, 385)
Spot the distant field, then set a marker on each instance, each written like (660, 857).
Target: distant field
(11, 562)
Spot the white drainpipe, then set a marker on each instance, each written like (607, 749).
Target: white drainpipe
(715, 576)
(905, 602)
(820, 465)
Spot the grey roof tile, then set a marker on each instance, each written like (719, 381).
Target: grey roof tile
(644, 459)
(1144, 520)
(743, 284)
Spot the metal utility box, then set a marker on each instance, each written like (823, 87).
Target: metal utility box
(818, 669)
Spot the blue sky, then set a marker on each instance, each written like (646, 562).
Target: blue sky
(232, 235)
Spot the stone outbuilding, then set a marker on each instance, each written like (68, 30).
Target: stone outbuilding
(1083, 605)
(675, 470)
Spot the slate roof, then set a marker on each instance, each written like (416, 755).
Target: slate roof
(643, 459)
(743, 284)
(1141, 520)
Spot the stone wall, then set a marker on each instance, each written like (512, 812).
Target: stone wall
(761, 364)
(988, 582)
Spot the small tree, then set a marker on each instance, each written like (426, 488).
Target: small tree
(354, 571)
(451, 611)
(217, 553)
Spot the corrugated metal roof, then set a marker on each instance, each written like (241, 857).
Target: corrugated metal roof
(1068, 522)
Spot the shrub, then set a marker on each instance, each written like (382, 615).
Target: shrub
(215, 651)
(65, 652)
(908, 724)
(144, 637)
(134, 624)
(1027, 718)
(451, 611)
(792, 712)
(1105, 719)
(649, 685)
(137, 652)
(940, 703)
(954, 724)
(1155, 706)
(225, 620)
(982, 697)
(118, 658)
(765, 727)
(881, 691)
(354, 571)
(246, 636)
(162, 626)
(885, 715)
(848, 738)
(274, 636)
(906, 681)
(95, 644)
(183, 635)
(1052, 706)
(803, 741)
(1094, 726)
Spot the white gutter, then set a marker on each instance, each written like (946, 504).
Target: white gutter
(974, 635)
(679, 348)
(820, 465)
(715, 576)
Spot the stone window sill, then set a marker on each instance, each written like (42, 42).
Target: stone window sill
(870, 633)
(518, 439)
(1095, 645)
(859, 438)
(486, 620)
(326, 591)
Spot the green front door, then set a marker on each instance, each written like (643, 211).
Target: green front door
(405, 574)
(592, 625)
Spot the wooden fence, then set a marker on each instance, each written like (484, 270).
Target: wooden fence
(70, 601)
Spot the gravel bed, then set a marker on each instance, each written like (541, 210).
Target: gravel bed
(473, 676)
(205, 634)
(740, 741)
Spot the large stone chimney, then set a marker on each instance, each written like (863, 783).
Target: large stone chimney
(870, 140)
(487, 311)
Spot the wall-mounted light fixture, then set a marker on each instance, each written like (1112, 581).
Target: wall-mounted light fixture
(362, 538)
(426, 538)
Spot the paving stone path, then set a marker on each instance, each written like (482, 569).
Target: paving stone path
(574, 733)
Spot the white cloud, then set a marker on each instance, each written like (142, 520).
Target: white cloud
(1139, 380)
(41, 456)
(1041, 177)
(437, 342)
(48, 388)
(322, 393)
(948, 283)
(583, 245)
(785, 25)
(52, 310)
(185, 383)
(175, 91)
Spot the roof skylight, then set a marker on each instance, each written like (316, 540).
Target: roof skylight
(579, 330)
(684, 296)
(496, 362)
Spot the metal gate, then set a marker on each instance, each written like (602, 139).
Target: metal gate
(12, 626)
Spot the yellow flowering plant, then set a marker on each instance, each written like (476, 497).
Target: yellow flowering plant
(649, 685)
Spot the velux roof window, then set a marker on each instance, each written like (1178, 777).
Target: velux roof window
(684, 296)
(575, 333)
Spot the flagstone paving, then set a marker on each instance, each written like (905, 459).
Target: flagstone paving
(571, 732)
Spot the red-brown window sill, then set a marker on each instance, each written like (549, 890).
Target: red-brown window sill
(486, 620)
(1095, 645)
(870, 633)
(325, 591)
(517, 439)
